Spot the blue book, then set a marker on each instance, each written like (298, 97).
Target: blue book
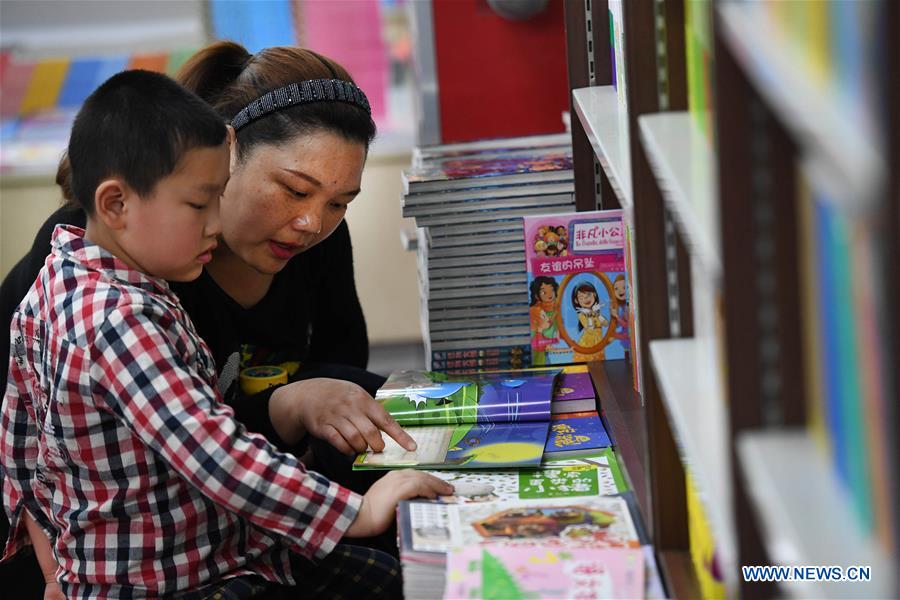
(576, 434)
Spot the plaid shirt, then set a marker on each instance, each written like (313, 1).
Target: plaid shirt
(115, 439)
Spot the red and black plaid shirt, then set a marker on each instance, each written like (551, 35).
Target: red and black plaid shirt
(113, 436)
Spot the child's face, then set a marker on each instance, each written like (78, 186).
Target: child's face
(585, 299)
(172, 231)
(619, 287)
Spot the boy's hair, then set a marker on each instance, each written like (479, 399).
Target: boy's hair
(136, 126)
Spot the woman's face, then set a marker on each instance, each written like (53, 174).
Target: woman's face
(284, 199)
(547, 293)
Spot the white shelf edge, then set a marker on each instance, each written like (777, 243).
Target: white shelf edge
(690, 392)
(603, 120)
(811, 113)
(681, 160)
(806, 516)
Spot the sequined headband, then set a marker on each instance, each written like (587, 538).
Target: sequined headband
(313, 90)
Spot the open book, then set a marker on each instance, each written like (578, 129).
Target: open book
(472, 421)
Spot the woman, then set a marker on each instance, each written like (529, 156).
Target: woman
(280, 287)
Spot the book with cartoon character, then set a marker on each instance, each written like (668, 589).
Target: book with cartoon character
(578, 292)
(471, 421)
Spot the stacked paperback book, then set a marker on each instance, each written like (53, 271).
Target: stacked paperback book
(469, 201)
(540, 508)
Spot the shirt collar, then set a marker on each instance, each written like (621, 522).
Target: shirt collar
(69, 241)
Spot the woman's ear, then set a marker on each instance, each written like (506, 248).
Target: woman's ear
(232, 149)
(110, 203)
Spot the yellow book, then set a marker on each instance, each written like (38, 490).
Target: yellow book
(702, 545)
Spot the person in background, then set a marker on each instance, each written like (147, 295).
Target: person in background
(114, 440)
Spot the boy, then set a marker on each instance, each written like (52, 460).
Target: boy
(113, 439)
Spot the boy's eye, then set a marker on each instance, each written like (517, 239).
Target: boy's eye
(196, 206)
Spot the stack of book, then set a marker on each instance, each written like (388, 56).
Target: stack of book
(533, 481)
(468, 201)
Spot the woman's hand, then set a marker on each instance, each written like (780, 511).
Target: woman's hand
(379, 505)
(339, 412)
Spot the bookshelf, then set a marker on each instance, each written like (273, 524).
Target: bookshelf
(747, 117)
(787, 471)
(604, 123)
(687, 180)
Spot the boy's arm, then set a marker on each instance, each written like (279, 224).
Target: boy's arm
(42, 549)
(139, 373)
(18, 447)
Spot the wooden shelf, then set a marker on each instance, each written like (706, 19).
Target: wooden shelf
(604, 122)
(806, 516)
(697, 413)
(825, 128)
(682, 160)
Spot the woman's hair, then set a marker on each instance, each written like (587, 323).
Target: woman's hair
(229, 78)
(136, 126)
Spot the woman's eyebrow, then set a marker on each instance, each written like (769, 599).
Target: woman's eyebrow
(309, 178)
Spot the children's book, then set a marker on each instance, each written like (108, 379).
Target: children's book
(485, 420)
(594, 474)
(575, 434)
(577, 286)
(501, 571)
(598, 522)
(474, 171)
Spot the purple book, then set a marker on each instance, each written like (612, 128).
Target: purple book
(574, 393)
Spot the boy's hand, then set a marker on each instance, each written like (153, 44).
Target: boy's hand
(339, 412)
(379, 505)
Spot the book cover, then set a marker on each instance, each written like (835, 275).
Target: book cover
(473, 172)
(503, 571)
(490, 146)
(577, 286)
(576, 433)
(466, 446)
(595, 474)
(428, 398)
(587, 522)
(482, 420)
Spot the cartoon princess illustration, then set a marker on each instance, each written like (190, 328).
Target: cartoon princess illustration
(591, 321)
(543, 317)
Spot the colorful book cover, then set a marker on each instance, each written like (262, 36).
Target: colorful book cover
(429, 398)
(504, 572)
(466, 446)
(576, 433)
(578, 287)
(594, 474)
(457, 173)
(597, 522)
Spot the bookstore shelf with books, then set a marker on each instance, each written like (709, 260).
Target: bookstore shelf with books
(807, 515)
(601, 114)
(789, 68)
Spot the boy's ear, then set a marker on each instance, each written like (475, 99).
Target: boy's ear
(111, 202)
(232, 148)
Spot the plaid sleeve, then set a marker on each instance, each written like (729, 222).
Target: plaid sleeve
(18, 446)
(139, 373)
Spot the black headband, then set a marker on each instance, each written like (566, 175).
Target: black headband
(313, 90)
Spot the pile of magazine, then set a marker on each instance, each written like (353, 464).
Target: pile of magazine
(540, 507)
(468, 201)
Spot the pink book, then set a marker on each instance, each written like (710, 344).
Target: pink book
(512, 572)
